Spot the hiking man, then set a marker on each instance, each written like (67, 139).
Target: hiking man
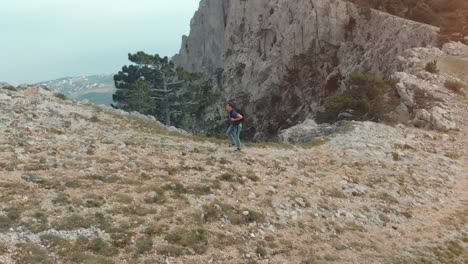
(235, 126)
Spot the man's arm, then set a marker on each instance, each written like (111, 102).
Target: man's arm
(237, 118)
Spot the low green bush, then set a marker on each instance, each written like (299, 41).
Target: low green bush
(10, 88)
(432, 67)
(94, 119)
(60, 96)
(195, 239)
(364, 98)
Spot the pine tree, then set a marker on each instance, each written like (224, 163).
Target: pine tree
(159, 76)
(153, 85)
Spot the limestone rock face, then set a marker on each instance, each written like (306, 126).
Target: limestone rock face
(425, 99)
(278, 59)
(422, 102)
(309, 130)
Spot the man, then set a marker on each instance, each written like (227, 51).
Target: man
(235, 127)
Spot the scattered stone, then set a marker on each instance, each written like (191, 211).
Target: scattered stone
(32, 178)
(151, 197)
(300, 201)
(98, 182)
(271, 189)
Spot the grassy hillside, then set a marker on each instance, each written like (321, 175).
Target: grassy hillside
(85, 184)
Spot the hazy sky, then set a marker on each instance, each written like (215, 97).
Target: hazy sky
(48, 39)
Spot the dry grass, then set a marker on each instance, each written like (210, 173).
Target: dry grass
(217, 210)
(316, 142)
(336, 193)
(230, 177)
(432, 67)
(455, 66)
(385, 197)
(455, 86)
(143, 245)
(31, 253)
(201, 208)
(195, 239)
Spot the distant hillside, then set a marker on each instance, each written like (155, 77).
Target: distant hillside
(96, 89)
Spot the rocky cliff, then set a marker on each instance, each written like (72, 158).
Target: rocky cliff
(278, 59)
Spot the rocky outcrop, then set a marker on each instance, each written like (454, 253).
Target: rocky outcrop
(421, 106)
(278, 59)
(309, 131)
(425, 99)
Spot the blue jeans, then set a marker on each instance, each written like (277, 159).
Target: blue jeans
(233, 134)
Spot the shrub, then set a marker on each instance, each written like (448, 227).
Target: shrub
(94, 119)
(455, 86)
(432, 67)
(230, 177)
(56, 243)
(38, 222)
(60, 96)
(5, 223)
(315, 143)
(61, 199)
(261, 252)
(334, 192)
(195, 239)
(100, 247)
(10, 88)
(172, 251)
(143, 245)
(364, 98)
(72, 222)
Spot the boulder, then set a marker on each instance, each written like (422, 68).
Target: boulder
(151, 197)
(421, 102)
(436, 118)
(455, 49)
(422, 118)
(402, 114)
(441, 119)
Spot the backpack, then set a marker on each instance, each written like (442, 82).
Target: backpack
(240, 112)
